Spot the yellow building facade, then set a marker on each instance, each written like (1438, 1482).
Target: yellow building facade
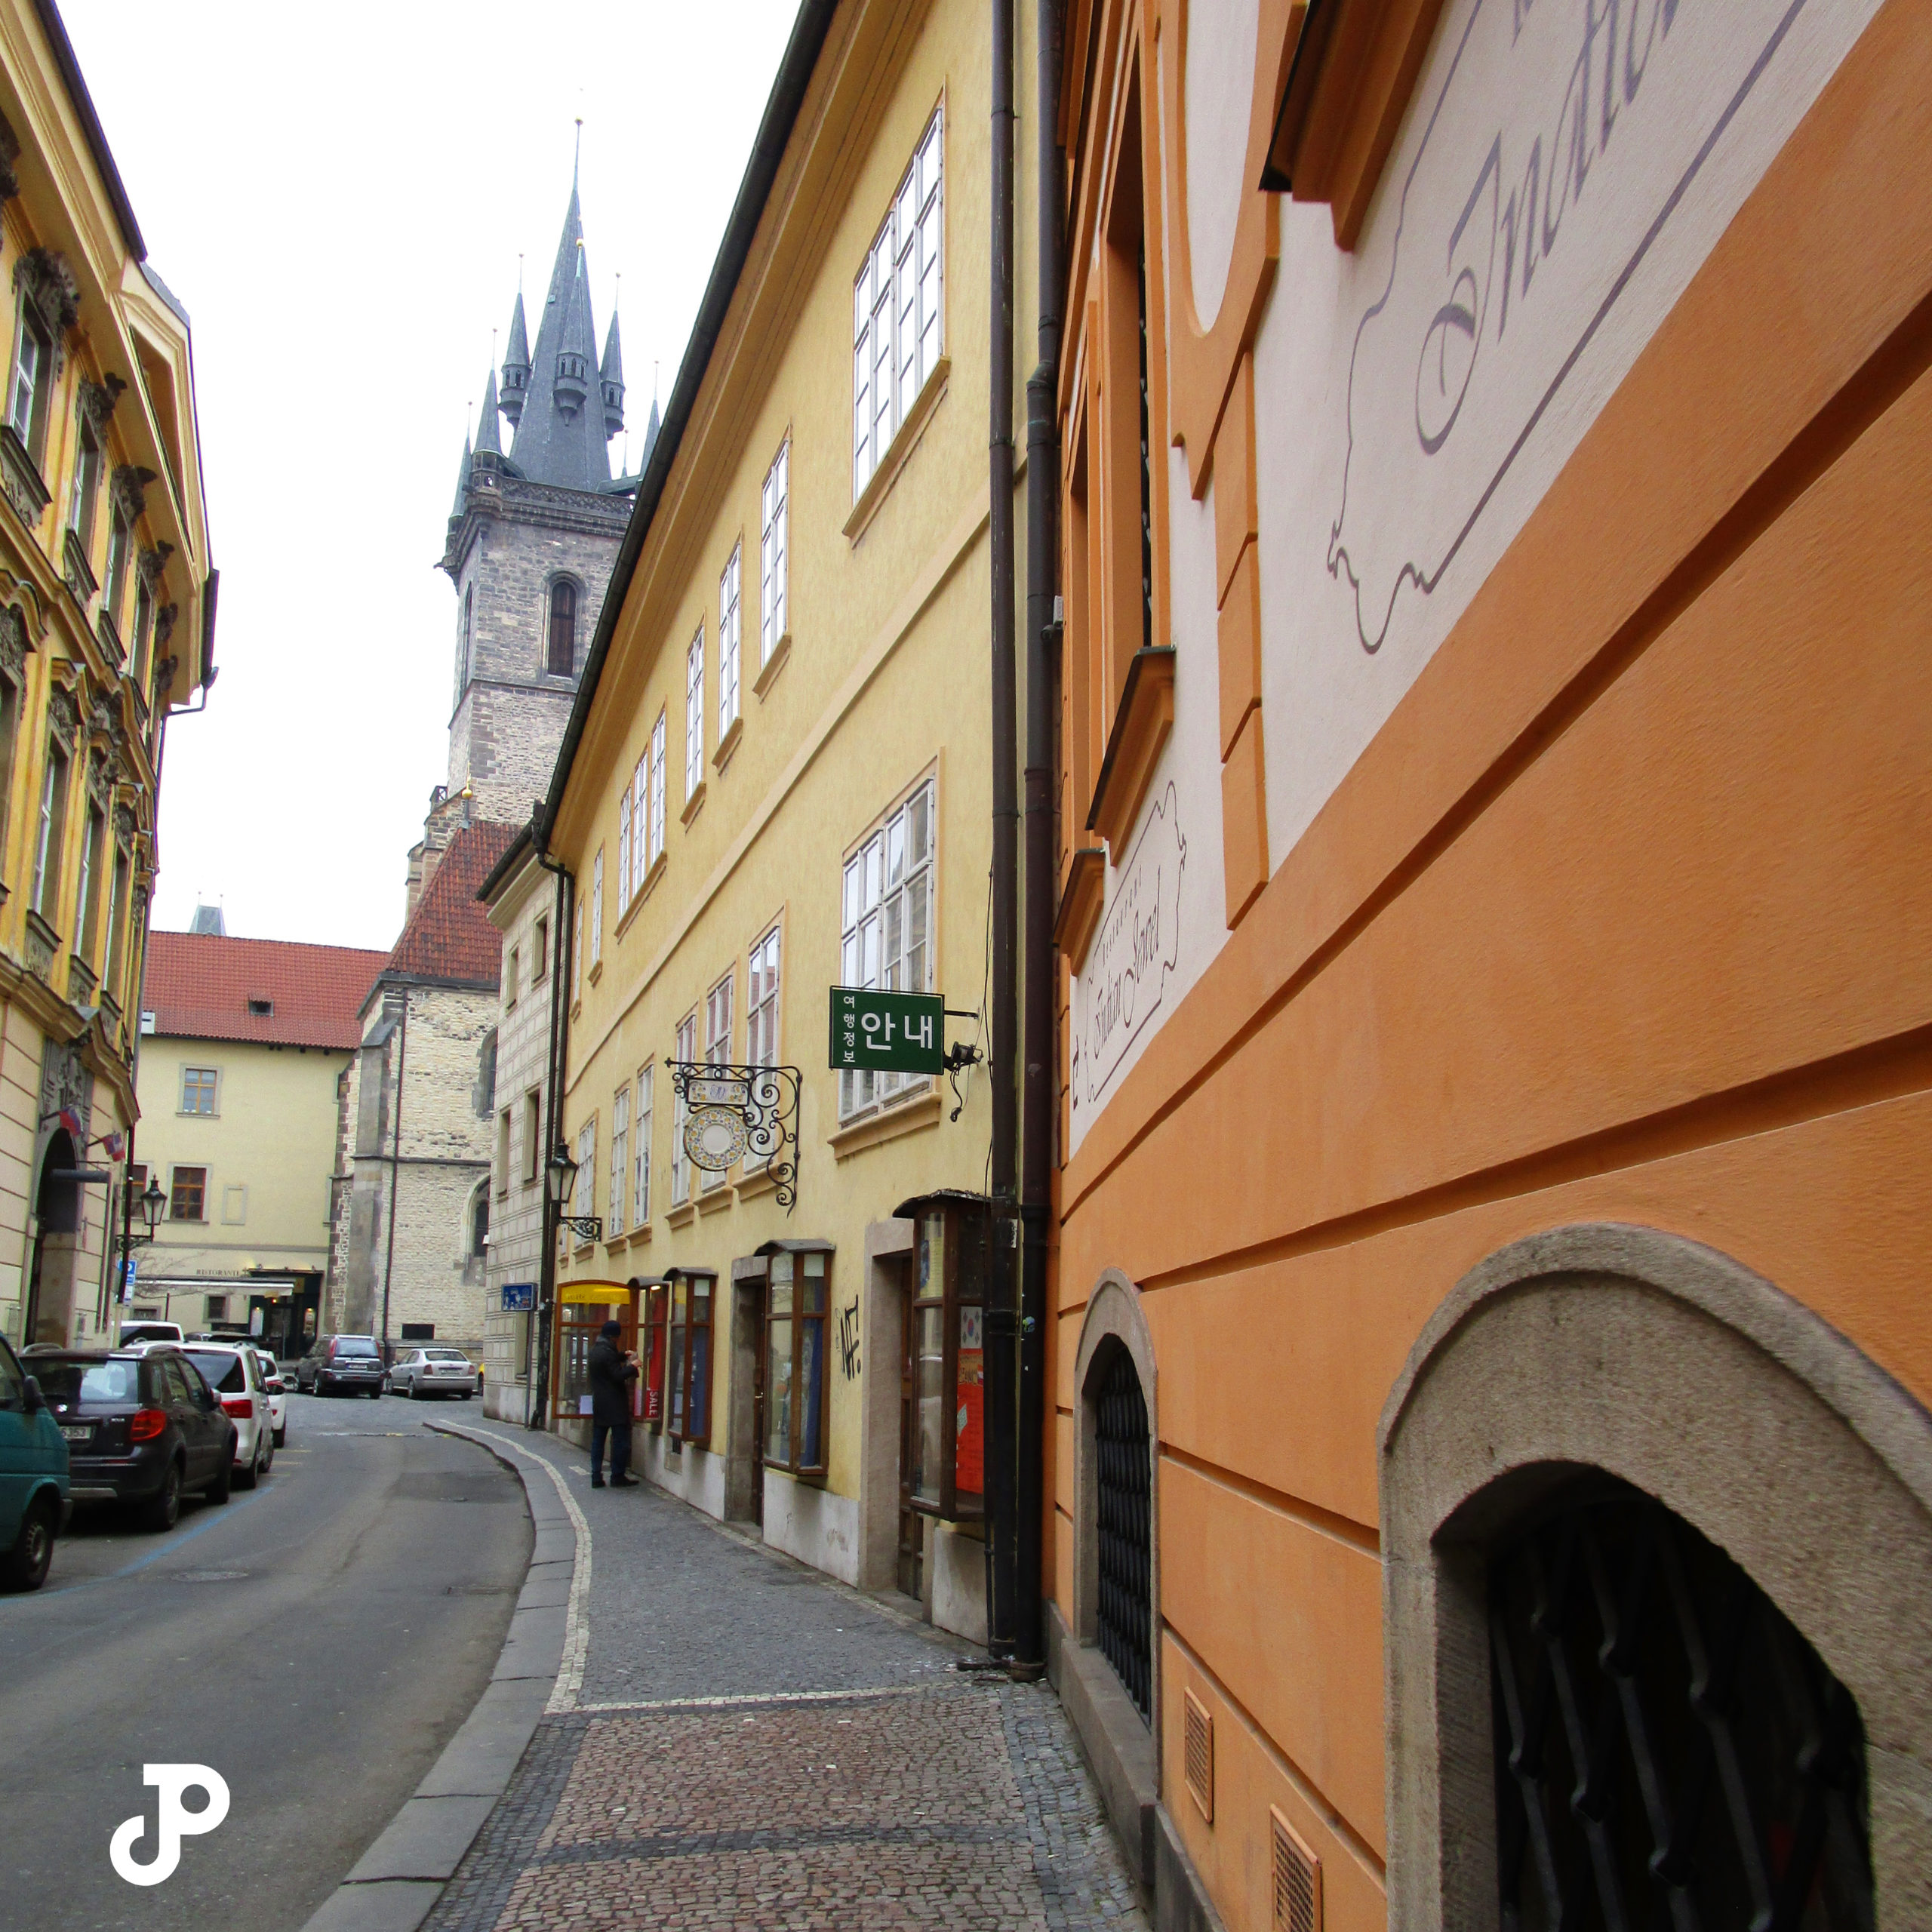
(243, 1043)
(106, 622)
(776, 781)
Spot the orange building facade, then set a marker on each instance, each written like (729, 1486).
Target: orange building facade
(1490, 1475)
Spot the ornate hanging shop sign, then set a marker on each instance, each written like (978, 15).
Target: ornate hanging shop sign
(741, 1113)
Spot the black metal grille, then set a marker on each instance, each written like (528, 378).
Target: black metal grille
(1670, 1753)
(1125, 1610)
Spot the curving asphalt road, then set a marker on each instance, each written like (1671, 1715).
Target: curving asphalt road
(316, 1642)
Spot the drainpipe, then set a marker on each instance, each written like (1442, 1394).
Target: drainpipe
(396, 1170)
(563, 964)
(1002, 1313)
(1042, 963)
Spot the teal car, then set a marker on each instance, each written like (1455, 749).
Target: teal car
(34, 1502)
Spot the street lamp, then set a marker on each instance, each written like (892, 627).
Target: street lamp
(561, 1176)
(153, 1205)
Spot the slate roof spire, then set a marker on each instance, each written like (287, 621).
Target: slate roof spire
(462, 480)
(559, 441)
(488, 436)
(610, 380)
(516, 365)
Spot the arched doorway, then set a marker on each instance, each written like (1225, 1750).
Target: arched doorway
(57, 1219)
(1657, 1565)
(1116, 1577)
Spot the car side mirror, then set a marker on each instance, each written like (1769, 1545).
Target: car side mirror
(208, 1399)
(31, 1401)
(275, 1384)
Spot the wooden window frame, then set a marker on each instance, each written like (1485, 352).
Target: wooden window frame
(796, 1319)
(682, 1380)
(948, 1501)
(213, 1110)
(174, 1187)
(654, 1314)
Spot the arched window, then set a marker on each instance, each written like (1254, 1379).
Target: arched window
(563, 628)
(479, 1230)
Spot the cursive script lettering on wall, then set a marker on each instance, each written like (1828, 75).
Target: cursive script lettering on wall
(1138, 946)
(1554, 152)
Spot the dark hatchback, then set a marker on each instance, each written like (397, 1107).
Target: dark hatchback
(143, 1428)
(350, 1363)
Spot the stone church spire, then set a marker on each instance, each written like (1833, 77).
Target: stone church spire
(487, 436)
(560, 436)
(610, 380)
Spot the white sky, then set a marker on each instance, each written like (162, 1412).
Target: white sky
(338, 194)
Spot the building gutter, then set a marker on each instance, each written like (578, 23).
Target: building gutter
(395, 1171)
(563, 966)
(781, 114)
(1002, 1445)
(1042, 975)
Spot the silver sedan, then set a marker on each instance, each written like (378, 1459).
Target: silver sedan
(416, 1373)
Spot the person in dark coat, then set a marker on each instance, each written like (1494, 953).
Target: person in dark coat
(612, 1371)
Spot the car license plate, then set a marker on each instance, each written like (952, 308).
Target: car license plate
(78, 1431)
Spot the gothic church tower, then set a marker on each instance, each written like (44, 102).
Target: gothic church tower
(533, 535)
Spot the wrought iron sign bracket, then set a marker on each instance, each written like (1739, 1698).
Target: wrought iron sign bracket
(586, 1227)
(742, 1113)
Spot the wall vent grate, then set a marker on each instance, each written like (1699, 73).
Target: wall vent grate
(1198, 1740)
(1298, 1879)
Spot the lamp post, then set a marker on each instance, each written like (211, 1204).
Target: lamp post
(153, 1203)
(560, 1176)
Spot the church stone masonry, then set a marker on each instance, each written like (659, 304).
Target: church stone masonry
(532, 539)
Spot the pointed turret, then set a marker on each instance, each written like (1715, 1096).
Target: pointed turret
(462, 481)
(560, 440)
(649, 439)
(488, 438)
(516, 365)
(610, 380)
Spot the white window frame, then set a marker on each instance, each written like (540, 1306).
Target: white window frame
(51, 833)
(660, 733)
(685, 1050)
(719, 1019)
(597, 907)
(26, 411)
(583, 1200)
(694, 716)
(647, 1083)
(620, 1128)
(775, 516)
(763, 982)
(887, 908)
(730, 622)
(576, 956)
(899, 305)
(623, 851)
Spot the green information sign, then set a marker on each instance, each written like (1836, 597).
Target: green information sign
(887, 1032)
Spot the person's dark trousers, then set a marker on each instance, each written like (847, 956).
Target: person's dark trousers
(619, 1436)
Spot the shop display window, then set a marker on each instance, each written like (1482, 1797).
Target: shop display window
(949, 1351)
(688, 1373)
(797, 1395)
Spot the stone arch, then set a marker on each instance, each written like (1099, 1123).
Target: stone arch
(1114, 1324)
(475, 1231)
(1678, 1371)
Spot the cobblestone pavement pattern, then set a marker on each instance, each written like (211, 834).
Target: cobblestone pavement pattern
(757, 1747)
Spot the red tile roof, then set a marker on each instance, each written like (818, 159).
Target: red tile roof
(199, 984)
(449, 936)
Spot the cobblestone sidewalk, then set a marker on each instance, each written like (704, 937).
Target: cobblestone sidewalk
(755, 1746)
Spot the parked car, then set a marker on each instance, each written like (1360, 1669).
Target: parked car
(350, 1362)
(277, 1393)
(150, 1331)
(233, 1370)
(142, 1427)
(419, 1372)
(34, 1502)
